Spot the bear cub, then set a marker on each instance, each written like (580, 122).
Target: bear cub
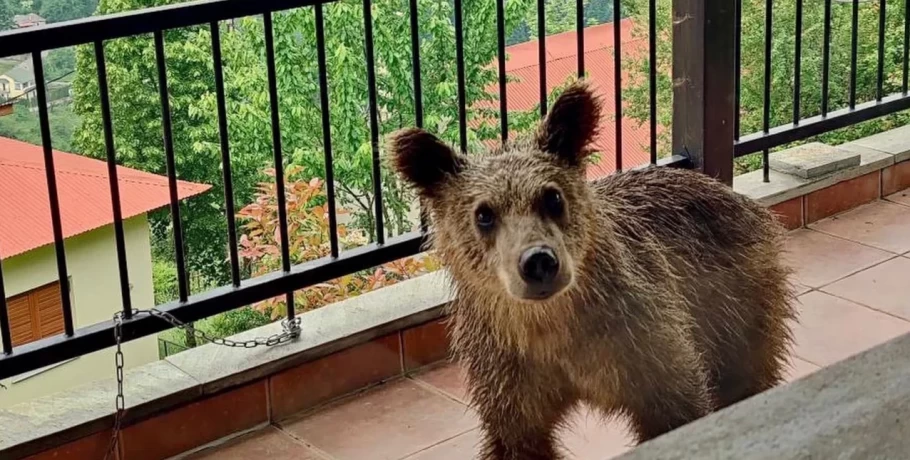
(655, 294)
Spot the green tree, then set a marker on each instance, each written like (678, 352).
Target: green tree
(59, 62)
(65, 10)
(6, 15)
(782, 65)
(23, 125)
(137, 118)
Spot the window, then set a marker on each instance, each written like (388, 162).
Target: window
(18, 86)
(36, 314)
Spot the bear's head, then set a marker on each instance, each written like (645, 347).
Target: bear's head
(518, 220)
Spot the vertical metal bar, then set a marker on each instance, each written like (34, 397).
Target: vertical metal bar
(182, 286)
(704, 73)
(119, 238)
(906, 85)
(652, 75)
(797, 61)
(501, 60)
(225, 153)
(854, 45)
(766, 109)
(327, 127)
(5, 331)
(459, 64)
(268, 30)
(826, 58)
(738, 60)
(880, 84)
(415, 63)
(617, 79)
(53, 197)
(374, 119)
(580, 35)
(542, 54)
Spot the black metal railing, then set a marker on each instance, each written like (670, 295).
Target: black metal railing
(239, 293)
(706, 124)
(827, 120)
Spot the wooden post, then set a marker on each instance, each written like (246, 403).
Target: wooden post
(703, 84)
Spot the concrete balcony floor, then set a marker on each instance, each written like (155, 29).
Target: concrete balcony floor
(852, 271)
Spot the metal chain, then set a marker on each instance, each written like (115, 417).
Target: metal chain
(290, 331)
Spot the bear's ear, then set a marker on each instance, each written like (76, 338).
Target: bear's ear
(571, 124)
(423, 160)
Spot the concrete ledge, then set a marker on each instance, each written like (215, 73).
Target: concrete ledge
(856, 409)
(325, 331)
(47, 422)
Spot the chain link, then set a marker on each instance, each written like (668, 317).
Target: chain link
(290, 331)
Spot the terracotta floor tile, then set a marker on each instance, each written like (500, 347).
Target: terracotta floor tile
(799, 368)
(589, 437)
(461, 447)
(820, 259)
(883, 287)
(449, 378)
(269, 443)
(900, 197)
(389, 422)
(880, 224)
(586, 437)
(831, 329)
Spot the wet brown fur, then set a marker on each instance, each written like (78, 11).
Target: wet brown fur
(679, 305)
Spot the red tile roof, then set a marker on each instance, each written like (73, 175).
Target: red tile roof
(84, 191)
(562, 63)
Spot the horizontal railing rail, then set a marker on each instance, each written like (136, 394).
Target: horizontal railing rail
(132, 23)
(821, 124)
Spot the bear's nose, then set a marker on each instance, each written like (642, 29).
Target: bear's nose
(538, 265)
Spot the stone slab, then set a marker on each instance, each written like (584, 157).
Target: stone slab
(813, 160)
(856, 409)
(895, 142)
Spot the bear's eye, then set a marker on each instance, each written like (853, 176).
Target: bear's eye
(484, 217)
(552, 203)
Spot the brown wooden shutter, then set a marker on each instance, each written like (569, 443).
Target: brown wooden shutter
(50, 310)
(36, 314)
(20, 320)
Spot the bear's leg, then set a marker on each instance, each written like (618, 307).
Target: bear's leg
(665, 385)
(519, 411)
(758, 366)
